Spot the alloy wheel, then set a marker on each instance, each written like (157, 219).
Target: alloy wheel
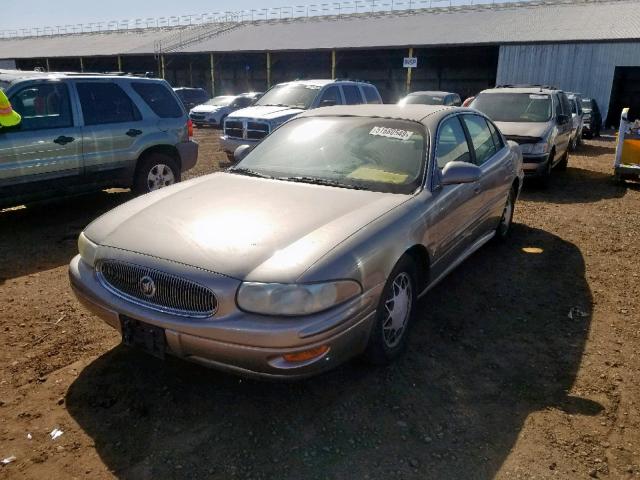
(397, 306)
(160, 176)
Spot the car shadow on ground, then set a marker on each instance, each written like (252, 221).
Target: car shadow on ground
(491, 344)
(44, 235)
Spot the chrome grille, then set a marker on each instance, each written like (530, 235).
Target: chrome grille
(170, 294)
(257, 130)
(197, 116)
(523, 140)
(234, 128)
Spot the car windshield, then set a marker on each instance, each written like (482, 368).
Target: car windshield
(586, 104)
(422, 99)
(514, 107)
(290, 95)
(359, 153)
(220, 101)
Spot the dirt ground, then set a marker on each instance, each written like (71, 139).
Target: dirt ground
(498, 380)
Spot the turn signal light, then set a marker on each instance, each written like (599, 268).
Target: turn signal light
(306, 354)
(190, 128)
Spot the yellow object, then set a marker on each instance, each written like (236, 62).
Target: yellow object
(8, 117)
(630, 152)
(534, 250)
(376, 175)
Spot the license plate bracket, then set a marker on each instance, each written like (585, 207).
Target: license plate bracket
(144, 336)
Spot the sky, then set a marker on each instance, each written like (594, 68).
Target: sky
(15, 15)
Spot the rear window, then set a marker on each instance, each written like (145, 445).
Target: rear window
(159, 99)
(104, 103)
(371, 94)
(351, 95)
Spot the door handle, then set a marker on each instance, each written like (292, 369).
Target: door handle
(62, 140)
(477, 189)
(134, 132)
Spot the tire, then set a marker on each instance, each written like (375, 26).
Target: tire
(503, 230)
(545, 178)
(562, 164)
(387, 340)
(231, 158)
(574, 144)
(155, 171)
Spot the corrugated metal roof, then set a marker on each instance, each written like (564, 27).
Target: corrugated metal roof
(547, 22)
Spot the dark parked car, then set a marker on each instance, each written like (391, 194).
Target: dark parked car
(432, 98)
(191, 97)
(592, 118)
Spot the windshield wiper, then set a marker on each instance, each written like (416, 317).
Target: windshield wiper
(249, 173)
(320, 181)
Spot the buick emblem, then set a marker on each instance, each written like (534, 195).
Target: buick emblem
(147, 286)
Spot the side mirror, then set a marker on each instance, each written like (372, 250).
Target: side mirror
(327, 103)
(241, 152)
(455, 173)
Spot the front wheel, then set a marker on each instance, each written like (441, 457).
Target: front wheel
(395, 311)
(563, 163)
(154, 172)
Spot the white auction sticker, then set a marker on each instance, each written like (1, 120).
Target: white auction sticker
(534, 96)
(391, 133)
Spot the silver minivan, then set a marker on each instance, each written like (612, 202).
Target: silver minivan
(86, 132)
(538, 118)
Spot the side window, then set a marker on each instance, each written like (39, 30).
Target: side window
(159, 99)
(497, 138)
(456, 100)
(558, 105)
(566, 105)
(331, 96)
(104, 102)
(481, 138)
(43, 106)
(371, 94)
(452, 143)
(351, 94)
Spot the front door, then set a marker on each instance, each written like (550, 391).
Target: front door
(45, 150)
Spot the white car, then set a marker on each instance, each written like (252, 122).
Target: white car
(214, 111)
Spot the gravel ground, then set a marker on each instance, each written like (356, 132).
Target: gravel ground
(499, 381)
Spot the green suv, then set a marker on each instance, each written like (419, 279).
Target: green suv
(87, 132)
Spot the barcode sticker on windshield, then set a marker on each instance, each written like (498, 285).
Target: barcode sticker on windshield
(533, 96)
(391, 133)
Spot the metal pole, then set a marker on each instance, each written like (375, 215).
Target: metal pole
(190, 73)
(409, 71)
(81, 65)
(48, 68)
(162, 65)
(213, 75)
(119, 63)
(268, 69)
(333, 64)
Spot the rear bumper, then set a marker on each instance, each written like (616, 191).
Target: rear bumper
(344, 340)
(229, 145)
(188, 152)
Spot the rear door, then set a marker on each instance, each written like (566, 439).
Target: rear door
(47, 145)
(113, 129)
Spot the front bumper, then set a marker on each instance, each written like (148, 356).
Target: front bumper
(229, 145)
(188, 152)
(535, 165)
(255, 351)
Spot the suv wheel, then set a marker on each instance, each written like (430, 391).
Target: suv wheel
(562, 164)
(154, 172)
(395, 311)
(504, 227)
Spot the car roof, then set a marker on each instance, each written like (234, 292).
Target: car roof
(13, 76)
(413, 112)
(433, 93)
(188, 88)
(523, 89)
(322, 82)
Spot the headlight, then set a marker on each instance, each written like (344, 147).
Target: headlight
(295, 299)
(87, 249)
(535, 148)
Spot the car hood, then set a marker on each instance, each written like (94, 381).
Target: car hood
(524, 129)
(206, 109)
(243, 227)
(266, 112)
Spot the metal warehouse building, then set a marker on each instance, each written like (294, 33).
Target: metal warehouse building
(588, 46)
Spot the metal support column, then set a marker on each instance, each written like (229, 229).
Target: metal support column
(268, 69)
(409, 71)
(333, 64)
(162, 72)
(81, 65)
(213, 75)
(47, 63)
(119, 63)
